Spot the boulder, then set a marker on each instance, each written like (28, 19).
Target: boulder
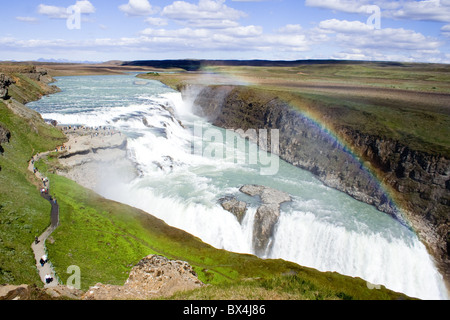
(10, 292)
(64, 292)
(268, 195)
(266, 216)
(153, 277)
(5, 135)
(236, 207)
(5, 82)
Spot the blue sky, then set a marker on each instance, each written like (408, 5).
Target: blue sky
(99, 30)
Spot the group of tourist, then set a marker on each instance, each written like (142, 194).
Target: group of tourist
(95, 131)
(48, 279)
(43, 261)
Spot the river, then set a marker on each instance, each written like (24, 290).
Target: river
(184, 171)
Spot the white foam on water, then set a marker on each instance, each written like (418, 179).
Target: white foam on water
(322, 228)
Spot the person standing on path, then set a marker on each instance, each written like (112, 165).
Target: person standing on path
(45, 269)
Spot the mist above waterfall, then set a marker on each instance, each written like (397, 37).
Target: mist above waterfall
(320, 228)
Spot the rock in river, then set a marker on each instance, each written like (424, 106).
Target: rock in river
(267, 214)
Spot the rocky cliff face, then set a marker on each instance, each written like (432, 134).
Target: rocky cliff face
(5, 82)
(27, 292)
(25, 83)
(5, 135)
(267, 214)
(39, 74)
(421, 181)
(12, 83)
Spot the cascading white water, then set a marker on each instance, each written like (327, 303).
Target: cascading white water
(321, 228)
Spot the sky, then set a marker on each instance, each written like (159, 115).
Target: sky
(103, 30)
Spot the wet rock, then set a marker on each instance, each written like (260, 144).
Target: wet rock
(266, 216)
(236, 207)
(268, 195)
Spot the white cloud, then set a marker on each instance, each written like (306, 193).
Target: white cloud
(291, 28)
(138, 8)
(344, 26)
(445, 30)
(54, 12)
(390, 39)
(207, 13)
(350, 6)
(242, 32)
(27, 19)
(430, 56)
(426, 10)
(248, 38)
(85, 6)
(156, 21)
(361, 42)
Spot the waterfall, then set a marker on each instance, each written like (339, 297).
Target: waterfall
(320, 228)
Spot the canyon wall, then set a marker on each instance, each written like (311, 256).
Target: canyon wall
(416, 182)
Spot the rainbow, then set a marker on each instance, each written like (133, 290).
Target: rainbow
(396, 207)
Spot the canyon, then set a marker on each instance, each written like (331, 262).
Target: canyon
(411, 185)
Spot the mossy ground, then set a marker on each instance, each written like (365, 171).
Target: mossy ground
(23, 213)
(105, 238)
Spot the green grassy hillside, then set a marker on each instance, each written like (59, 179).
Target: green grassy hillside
(23, 213)
(106, 239)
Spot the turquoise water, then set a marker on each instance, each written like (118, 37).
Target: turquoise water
(321, 228)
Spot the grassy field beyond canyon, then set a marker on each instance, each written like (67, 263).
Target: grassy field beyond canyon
(407, 102)
(106, 239)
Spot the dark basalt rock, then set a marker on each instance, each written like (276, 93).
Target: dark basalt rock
(421, 181)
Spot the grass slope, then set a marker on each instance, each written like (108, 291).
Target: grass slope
(105, 239)
(23, 213)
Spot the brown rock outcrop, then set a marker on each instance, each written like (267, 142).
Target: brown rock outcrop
(267, 214)
(153, 277)
(10, 292)
(236, 207)
(64, 292)
(5, 82)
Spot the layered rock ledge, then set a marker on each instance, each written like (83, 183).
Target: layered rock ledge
(267, 214)
(153, 277)
(419, 180)
(91, 154)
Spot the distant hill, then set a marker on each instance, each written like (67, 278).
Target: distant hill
(195, 65)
